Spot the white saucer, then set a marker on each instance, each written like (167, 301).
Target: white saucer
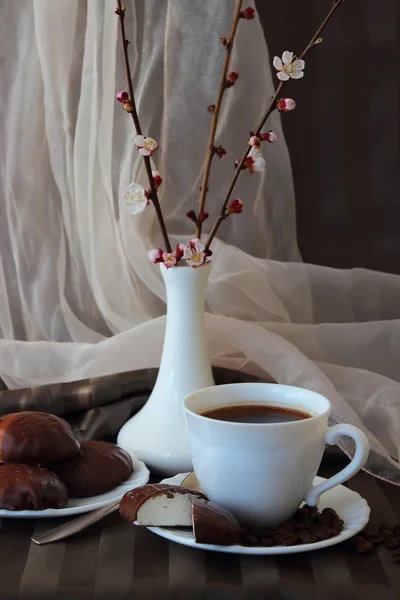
(349, 505)
(77, 506)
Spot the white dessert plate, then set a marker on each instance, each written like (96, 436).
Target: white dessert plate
(76, 506)
(349, 505)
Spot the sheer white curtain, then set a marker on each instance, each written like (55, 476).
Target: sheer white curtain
(78, 295)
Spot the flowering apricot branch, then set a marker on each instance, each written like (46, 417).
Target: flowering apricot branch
(225, 82)
(287, 69)
(146, 145)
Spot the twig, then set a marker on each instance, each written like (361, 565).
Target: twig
(271, 106)
(215, 115)
(135, 118)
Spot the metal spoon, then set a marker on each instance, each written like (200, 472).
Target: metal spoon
(76, 525)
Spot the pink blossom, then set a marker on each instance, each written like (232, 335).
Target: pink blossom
(123, 97)
(289, 66)
(135, 198)
(255, 141)
(286, 104)
(155, 255)
(235, 207)
(146, 145)
(258, 160)
(270, 136)
(169, 259)
(194, 253)
(247, 13)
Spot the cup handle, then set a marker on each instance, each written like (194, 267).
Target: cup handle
(362, 448)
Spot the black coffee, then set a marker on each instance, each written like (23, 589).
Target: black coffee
(256, 413)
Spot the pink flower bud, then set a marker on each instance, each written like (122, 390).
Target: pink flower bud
(286, 104)
(249, 164)
(123, 97)
(224, 40)
(247, 13)
(211, 108)
(220, 152)
(203, 216)
(155, 255)
(235, 207)
(157, 179)
(192, 216)
(232, 78)
(180, 248)
(270, 137)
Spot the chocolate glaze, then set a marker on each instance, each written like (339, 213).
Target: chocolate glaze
(213, 524)
(24, 487)
(98, 468)
(132, 501)
(36, 438)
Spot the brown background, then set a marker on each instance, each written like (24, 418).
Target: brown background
(344, 137)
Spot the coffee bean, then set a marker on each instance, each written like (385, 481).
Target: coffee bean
(396, 556)
(268, 532)
(277, 539)
(249, 540)
(307, 526)
(300, 514)
(333, 532)
(386, 527)
(266, 542)
(322, 521)
(362, 546)
(391, 543)
(285, 528)
(257, 532)
(307, 537)
(337, 524)
(329, 514)
(290, 539)
(323, 534)
(374, 538)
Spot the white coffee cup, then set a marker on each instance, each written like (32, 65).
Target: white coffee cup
(262, 472)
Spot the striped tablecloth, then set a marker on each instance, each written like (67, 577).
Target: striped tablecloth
(115, 560)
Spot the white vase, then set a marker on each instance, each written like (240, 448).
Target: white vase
(156, 434)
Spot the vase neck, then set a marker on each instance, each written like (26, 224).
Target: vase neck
(185, 287)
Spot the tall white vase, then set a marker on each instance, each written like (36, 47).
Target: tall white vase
(156, 434)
